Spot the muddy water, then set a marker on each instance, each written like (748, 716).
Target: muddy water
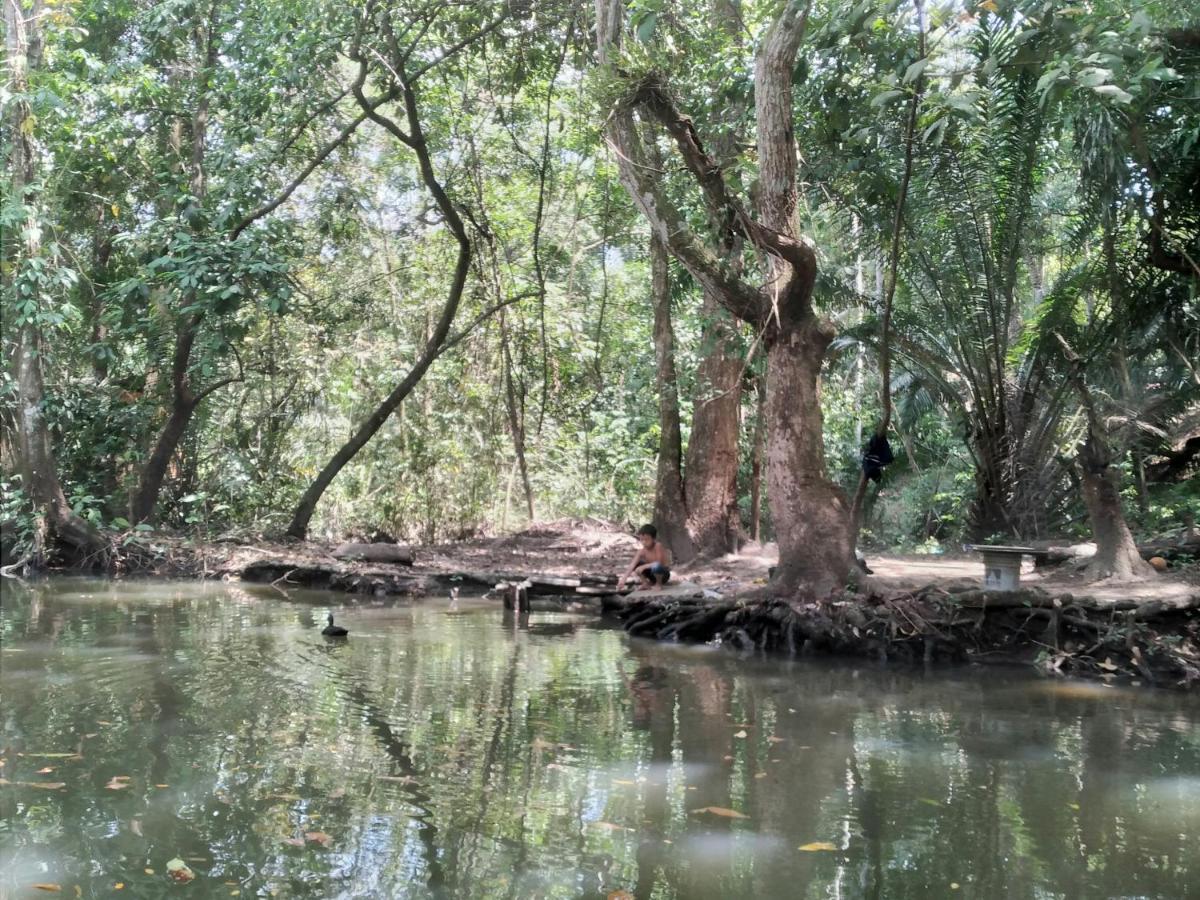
(450, 753)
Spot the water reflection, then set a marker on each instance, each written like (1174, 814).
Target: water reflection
(470, 754)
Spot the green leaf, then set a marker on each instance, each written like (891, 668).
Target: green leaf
(645, 28)
(886, 97)
(913, 72)
(1111, 90)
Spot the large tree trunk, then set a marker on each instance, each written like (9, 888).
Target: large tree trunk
(670, 506)
(711, 465)
(1117, 557)
(57, 522)
(811, 515)
(756, 459)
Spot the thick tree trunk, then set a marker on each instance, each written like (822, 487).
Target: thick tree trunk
(711, 465)
(57, 522)
(670, 506)
(811, 514)
(756, 460)
(1117, 557)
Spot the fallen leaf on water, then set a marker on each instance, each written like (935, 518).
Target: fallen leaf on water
(135, 825)
(318, 837)
(1107, 665)
(557, 767)
(52, 755)
(622, 781)
(102, 722)
(162, 785)
(399, 779)
(45, 771)
(234, 893)
(721, 811)
(148, 871)
(740, 734)
(119, 886)
(609, 826)
(78, 891)
(179, 870)
(928, 801)
(336, 793)
(294, 842)
(761, 775)
(727, 758)
(776, 740)
(954, 885)
(44, 886)
(92, 734)
(620, 895)
(816, 846)
(118, 782)
(1073, 805)
(40, 785)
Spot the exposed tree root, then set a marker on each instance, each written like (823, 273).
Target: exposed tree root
(1154, 642)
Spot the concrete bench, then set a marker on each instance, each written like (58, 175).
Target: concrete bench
(1002, 564)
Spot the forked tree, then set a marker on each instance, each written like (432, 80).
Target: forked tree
(811, 514)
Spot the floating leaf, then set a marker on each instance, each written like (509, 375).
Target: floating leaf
(318, 837)
(721, 811)
(609, 826)
(39, 785)
(148, 871)
(45, 886)
(623, 781)
(180, 871)
(761, 775)
(294, 842)
(928, 801)
(740, 734)
(620, 895)
(118, 783)
(816, 846)
(119, 886)
(46, 770)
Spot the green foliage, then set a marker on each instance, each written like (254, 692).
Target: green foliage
(1055, 176)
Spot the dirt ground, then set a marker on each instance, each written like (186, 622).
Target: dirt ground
(568, 547)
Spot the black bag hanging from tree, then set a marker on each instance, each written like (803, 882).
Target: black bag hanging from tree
(877, 455)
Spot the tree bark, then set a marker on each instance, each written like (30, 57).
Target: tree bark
(756, 459)
(516, 419)
(810, 513)
(670, 505)
(711, 463)
(1117, 557)
(57, 522)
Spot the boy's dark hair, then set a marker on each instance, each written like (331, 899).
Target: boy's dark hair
(648, 530)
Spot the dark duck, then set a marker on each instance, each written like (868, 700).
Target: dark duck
(332, 630)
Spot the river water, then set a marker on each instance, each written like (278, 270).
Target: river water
(447, 752)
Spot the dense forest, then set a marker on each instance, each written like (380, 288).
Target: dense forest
(445, 268)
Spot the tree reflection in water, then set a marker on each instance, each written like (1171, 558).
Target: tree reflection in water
(468, 755)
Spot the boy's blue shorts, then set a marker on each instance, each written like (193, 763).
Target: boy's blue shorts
(659, 572)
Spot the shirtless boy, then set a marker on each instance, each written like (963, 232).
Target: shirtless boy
(651, 563)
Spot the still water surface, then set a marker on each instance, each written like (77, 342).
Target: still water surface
(450, 753)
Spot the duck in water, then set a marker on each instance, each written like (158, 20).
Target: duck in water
(332, 630)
